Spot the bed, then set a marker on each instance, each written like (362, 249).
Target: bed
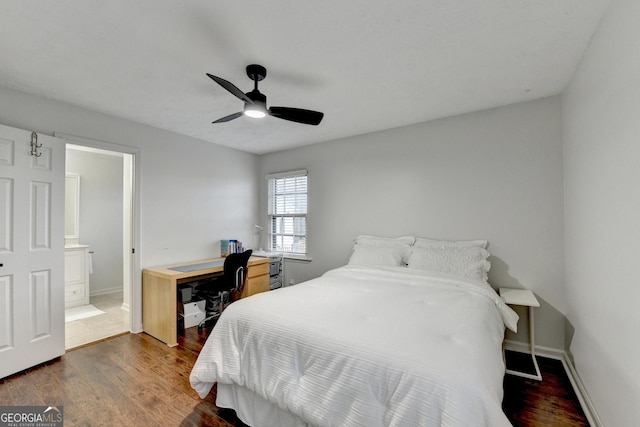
(377, 342)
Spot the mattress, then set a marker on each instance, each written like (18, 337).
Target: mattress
(362, 346)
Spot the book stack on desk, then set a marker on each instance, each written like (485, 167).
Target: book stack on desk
(230, 247)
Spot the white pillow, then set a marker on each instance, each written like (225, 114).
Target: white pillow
(433, 243)
(383, 251)
(379, 255)
(469, 262)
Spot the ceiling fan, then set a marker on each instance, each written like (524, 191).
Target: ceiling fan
(255, 103)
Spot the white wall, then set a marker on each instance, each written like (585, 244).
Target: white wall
(601, 109)
(193, 193)
(101, 215)
(494, 175)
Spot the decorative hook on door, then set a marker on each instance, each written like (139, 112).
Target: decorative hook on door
(35, 145)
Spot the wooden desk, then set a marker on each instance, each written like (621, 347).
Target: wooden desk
(160, 292)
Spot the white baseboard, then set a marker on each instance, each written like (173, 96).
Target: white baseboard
(581, 392)
(125, 307)
(572, 374)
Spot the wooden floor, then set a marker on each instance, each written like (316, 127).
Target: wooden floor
(550, 402)
(133, 379)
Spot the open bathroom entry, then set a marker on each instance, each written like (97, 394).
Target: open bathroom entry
(98, 242)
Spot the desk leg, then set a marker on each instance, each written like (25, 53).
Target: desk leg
(159, 308)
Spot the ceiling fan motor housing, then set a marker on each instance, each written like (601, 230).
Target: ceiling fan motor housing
(257, 97)
(256, 73)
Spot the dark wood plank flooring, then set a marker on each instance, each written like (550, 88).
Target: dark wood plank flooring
(550, 402)
(133, 379)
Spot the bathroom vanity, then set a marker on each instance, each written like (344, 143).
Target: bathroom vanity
(76, 275)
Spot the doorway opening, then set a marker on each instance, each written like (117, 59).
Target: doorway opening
(99, 230)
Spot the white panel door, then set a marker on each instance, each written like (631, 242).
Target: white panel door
(31, 250)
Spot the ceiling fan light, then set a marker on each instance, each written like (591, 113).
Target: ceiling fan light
(254, 112)
(256, 109)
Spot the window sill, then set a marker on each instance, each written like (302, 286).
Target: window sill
(297, 258)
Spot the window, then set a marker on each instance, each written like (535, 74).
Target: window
(287, 210)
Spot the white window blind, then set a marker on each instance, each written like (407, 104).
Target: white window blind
(287, 211)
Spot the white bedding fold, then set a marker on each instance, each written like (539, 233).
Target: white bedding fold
(367, 347)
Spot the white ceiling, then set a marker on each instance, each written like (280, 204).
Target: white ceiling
(367, 64)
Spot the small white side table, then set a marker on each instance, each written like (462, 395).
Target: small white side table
(524, 297)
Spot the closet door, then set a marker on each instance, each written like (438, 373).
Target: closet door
(31, 249)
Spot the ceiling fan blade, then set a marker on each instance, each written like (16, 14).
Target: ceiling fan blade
(231, 88)
(298, 115)
(229, 117)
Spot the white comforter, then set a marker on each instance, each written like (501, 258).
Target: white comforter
(367, 347)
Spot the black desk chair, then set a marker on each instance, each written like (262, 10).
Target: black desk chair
(226, 288)
(235, 273)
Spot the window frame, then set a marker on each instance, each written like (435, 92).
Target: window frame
(274, 215)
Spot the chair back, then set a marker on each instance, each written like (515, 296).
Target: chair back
(235, 270)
